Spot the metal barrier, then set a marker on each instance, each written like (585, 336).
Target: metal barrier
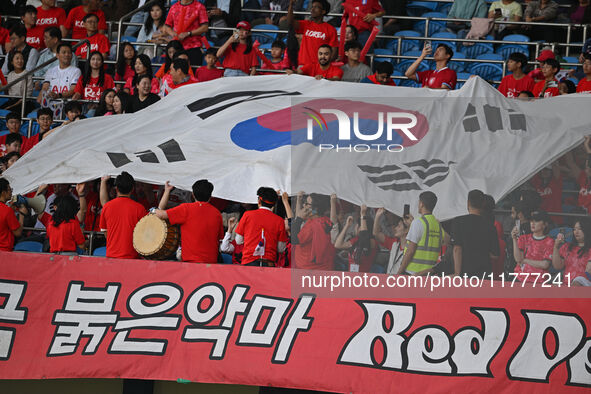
(91, 236)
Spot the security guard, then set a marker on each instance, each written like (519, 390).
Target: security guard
(424, 240)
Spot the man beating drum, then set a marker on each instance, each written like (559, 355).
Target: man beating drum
(201, 225)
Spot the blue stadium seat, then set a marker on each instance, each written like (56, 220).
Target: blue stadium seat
(488, 71)
(570, 59)
(506, 49)
(457, 66)
(434, 26)
(444, 8)
(264, 38)
(128, 39)
(418, 8)
(101, 252)
(568, 233)
(407, 45)
(477, 49)
(3, 100)
(227, 258)
(378, 52)
(444, 34)
(405, 63)
(3, 112)
(29, 246)
(466, 76)
(409, 83)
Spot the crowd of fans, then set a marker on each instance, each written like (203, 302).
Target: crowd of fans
(324, 232)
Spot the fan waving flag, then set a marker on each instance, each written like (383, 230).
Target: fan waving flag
(369, 144)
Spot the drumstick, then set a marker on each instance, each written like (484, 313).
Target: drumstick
(261, 56)
(205, 43)
(370, 40)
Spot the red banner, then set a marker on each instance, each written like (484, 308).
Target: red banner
(85, 317)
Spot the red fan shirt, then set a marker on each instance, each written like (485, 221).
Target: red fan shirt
(367, 7)
(550, 92)
(65, 237)
(119, 217)
(573, 264)
(205, 74)
(437, 79)
(55, 16)
(534, 249)
(256, 224)
(92, 90)
(8, 223)
(314, 69)
(184, 18)
(584, 86)
(314, 35)
(237, 60)
(511, 87)
(202, 230)
(98, 42)
(35, 37)
(74, 21)
(551, 195)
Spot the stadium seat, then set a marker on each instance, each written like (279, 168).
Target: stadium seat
(407, 45)
(488, 71)
(3, 100)
(568, 233)
(418, 8)
(3, 113)
(29, 246)
(457, 66)
(128, 39)
(409, 83)
(434, 26)
(479, 48)
(101, 252)
(405, 63)
(506, 49)
(264, 38)
(465, 76)
(227, 258)
(379, 52)
(444, 8)
(444, 34)
(570, 59)
(377, 269)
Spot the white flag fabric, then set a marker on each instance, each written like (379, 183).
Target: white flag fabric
(371, 144)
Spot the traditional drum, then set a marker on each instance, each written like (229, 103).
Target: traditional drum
(154, 238)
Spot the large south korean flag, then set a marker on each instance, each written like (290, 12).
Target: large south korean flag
(370, 144)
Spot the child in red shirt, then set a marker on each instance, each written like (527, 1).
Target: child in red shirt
(239, 56)
(279, 58)
(549, 86)
(63, 228)
(533, 252)
(518, 81)
(209, 71)
(584, 85)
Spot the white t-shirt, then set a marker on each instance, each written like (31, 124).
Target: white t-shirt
(60, 80)
(415, 232)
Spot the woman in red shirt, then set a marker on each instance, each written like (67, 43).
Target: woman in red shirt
(124, 66)
(142, 66)
(63, 228)
(94, 81)
(573, 257)
(239, 56)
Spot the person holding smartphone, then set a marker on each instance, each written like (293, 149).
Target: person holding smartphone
(549, 86)
(505, 10)
(440, 78)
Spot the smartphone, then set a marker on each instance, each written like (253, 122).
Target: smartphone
(498, 12)
(406, 210)
(428, 43)
(236, 34)
(518, 224)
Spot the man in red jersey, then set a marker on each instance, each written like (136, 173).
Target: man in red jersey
(440, 78)
(34, 31)
(10, 226)
(262, 232)
(119, 217)
(98, 42)
(75, 21)
(201, 223)
(584, 85)
(549, 86)
(322, 69)
(314, 32)
(518, 81)
(49, 15)
(187, 20)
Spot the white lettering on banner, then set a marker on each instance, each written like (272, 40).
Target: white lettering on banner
(431, 350)
(315, 34)
(11, 295)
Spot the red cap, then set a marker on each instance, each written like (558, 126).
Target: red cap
(545, 55)
(243, 25)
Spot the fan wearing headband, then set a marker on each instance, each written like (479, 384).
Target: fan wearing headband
(262, 232)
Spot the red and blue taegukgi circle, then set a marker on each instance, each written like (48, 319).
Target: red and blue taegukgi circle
(289, 126)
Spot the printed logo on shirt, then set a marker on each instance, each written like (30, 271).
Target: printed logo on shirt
(333, 124)
(315, 34)
(79, 24)
(33, 40)
(46, 21)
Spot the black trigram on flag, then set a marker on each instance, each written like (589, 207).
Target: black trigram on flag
(494, 118)
(171, 150)
(408, 176)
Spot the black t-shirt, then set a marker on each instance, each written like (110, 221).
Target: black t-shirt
(478, 239)
(137, 105)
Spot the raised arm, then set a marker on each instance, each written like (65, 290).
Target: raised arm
(165, 195)
(377, 231)
(104, 192)
(291, 17)
(411, 71)
(340, 243)
(81, 191)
